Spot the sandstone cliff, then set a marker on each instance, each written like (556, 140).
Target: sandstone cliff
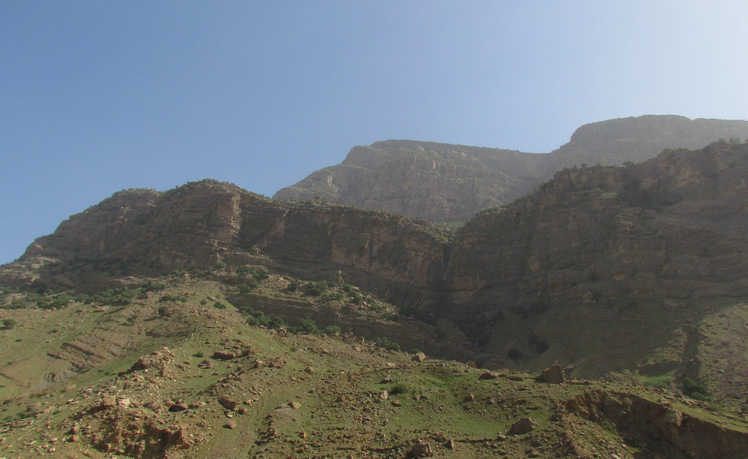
(451, 183)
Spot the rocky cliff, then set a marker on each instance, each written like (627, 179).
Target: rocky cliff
(603, 268)
(451, 183)
(605, 265)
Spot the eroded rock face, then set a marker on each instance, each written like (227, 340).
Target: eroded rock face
(638, 419)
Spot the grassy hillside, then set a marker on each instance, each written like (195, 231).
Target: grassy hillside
(169, 367)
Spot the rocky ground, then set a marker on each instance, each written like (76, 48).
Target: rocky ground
(157, 378)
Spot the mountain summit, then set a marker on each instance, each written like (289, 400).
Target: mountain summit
(451, 183)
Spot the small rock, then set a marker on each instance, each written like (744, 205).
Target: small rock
(450, 444)
(309, 370)
(231, 424)
(396, 403)
(123, 402)
(386, 380)
(472, 364)
(205, 364)
(487, 375)
(177, 407)
(108, 401)
(420, 357)
(384, 395)
(227, 403)
(294, 405)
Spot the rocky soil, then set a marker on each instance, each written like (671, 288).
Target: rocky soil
(222, 388)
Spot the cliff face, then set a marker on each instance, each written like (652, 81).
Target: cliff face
(435, 181)
(450, 183)
(202, 224)
(641, 253)
(602, 268)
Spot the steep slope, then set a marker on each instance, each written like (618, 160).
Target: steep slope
(451, 183)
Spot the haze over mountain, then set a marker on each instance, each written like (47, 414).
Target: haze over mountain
(450, 183)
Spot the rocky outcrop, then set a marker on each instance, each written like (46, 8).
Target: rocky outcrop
(451, 183)
(640, 420)
(203, 224)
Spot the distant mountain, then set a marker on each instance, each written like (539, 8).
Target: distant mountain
(451, 183)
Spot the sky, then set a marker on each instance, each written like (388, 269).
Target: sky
(96, 96)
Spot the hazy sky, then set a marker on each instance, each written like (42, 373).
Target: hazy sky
(98, 96)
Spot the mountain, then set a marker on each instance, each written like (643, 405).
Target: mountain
(451, 183)
(187, 323)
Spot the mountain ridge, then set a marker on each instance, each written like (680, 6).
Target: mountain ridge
(450, 183)
(663, 237)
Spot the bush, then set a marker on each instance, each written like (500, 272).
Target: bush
(694, 389)
(332, 330)
(384, 342)
(399, 388)
(309, 326)
(315, 288)
(9, 323)
(174, 298)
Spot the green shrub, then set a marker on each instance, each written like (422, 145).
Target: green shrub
(309, 326)
(399, 388)
(386, 343)
(694, 389)
(173, 298)
(332, 330)
(315, 288)
(9, 323)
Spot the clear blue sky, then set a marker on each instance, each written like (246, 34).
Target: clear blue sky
(98, 96)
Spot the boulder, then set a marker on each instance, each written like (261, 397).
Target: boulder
(523, 426)
(554, 374)
(420, 449)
